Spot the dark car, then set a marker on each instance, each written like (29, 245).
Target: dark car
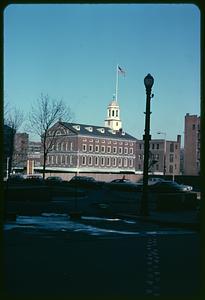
(167, 187)
(54, 178)
(34, 179)
(15, 178)
(83, 181)
(122, 184)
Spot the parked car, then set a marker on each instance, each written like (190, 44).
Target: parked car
(83, 181)
(151, 180)
(34, 178)
(54, 178)
(15, 178)
(185, 187)
(167, 186)
(122, 184)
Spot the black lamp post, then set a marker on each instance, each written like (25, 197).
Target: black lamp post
(148, 82)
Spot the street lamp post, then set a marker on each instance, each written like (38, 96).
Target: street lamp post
(165, 150)
(148, 82)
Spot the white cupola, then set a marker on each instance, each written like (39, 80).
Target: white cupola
(113, 116)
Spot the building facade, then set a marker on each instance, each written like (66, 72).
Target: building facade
(164, 156)
(34, 153)
(191, 145)
(9, 134)
(88, 148)
(21, 142)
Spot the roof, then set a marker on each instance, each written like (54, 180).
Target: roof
(98, 131)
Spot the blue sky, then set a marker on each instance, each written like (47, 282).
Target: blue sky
(70, 52)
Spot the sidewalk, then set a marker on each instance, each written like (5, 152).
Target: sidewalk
(183, 219)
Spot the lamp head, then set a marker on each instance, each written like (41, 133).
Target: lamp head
(148, 81)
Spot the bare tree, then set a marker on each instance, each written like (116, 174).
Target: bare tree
(13, 118)
(44, 114)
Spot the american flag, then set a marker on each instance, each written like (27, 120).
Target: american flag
(121, 70)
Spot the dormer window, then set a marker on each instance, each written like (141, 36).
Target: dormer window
(77, 127)
(90, 129)
(102, 130)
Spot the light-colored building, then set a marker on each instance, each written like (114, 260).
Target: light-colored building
(191, 145)
(164, 156)
(34, 153)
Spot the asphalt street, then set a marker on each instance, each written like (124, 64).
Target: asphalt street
(52, 256)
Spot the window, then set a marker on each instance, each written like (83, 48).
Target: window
(120, 150)
(102, 161)
(131, 150)
(120, 162)
(140, 146)
(152, 146)
(193, 126)
(83, 160)
(171, 157)
(84, 147)
(90, 160)
(109, 113)
(71, 159)
(116, 113)
(71, 146)
(90, 148)
(157, 146)
(96, 161)
(96, 148)
(114, 149)
(125, 162)
(108, 149)
(171, 169)
(108, 161)
(131, 163)
(113, 113)
(114, 161)
(171, 147)
(157, 167)
(103, 149)
(126, 150)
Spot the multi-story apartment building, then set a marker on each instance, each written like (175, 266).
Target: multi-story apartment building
(34, 153)
(88, 148)
(192, 145)
(20, 156)
(164, 156)
(8, 149)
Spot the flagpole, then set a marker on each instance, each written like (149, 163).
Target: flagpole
(116, 88)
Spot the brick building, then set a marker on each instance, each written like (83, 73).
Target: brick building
(88, 148)
(191, 145)
(21, 142)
